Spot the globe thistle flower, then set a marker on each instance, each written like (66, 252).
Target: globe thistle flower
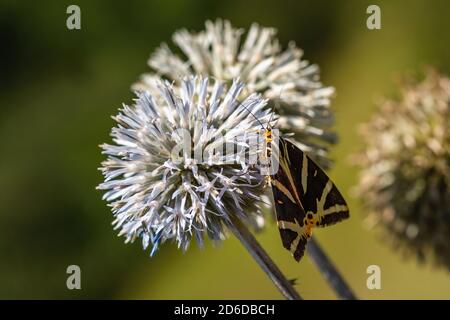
(405, 179)
(281, 76)
(163, 177)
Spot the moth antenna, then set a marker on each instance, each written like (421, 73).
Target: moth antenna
(241, 104)
(276, 104)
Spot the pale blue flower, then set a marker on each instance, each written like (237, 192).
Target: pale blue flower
(156, 194)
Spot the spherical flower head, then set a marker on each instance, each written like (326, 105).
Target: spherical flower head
(179, 165)
(290, 83)
(405, 180)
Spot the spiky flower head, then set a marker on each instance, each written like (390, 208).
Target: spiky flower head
(281, 76)
(405, 180)
(166, 175)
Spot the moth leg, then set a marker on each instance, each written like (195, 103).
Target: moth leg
(267, 182)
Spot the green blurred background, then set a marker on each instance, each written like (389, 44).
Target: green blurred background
(60, 87)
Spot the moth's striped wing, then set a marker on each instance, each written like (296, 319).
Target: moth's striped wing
(290, 216)
(304, 197)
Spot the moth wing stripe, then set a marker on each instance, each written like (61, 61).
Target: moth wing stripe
(334, 209)
(304, 173)
(325, 192)
(283, 189)
(284, 162)
(293, 226)
(288, 225)
(295, 243)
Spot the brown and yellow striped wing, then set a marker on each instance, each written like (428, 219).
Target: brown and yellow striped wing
(304, 197)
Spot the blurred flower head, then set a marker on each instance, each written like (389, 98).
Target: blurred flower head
(290, 83)
(164, 176)
(405, 180)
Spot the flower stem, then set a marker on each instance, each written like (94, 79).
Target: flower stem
(263, 259)
(329, 271)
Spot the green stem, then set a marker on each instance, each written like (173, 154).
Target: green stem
(329, 271)
(262, 258)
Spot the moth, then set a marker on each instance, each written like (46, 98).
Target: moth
(304, 196)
